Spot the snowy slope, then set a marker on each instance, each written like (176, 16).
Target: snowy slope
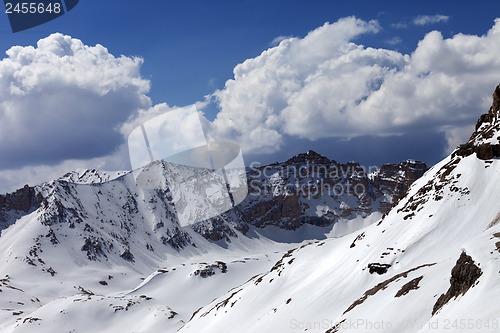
(96, 243)
(391, 276)
(160, 289)
(325, 278)
(101, 239)
(162, 301)
(48, 281)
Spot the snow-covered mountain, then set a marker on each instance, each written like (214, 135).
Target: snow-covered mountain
(310, 189)
(93, 251)
(95, 236)
(307, 190)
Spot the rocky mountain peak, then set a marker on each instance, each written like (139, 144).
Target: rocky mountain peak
(19, 200)
(485, 141)
(493, 113)
(309, 157)
(495, 106)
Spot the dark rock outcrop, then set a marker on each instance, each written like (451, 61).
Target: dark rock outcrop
(397, 179)
(177, 238)
(487, 151)
(484, 118)
(127, 255)
(463, 277)
(495, 106)
(287, 194)
(24, 199)
(309, 157)
(209, 270)
(486, 126)
(215, 229)
(93, 248)
(378, 268)
(19, 203)
(382, 286)
(407, 287)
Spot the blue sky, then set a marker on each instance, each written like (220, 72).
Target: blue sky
(191, 48)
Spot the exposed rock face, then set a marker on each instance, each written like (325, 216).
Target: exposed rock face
(13, 205)
(210, 270)
(127, 255)
(493, 112)
(24, 199)
(311, 189)
(310, 157)
(487, 151)
(397, 179)
(484, 118)
(495, 106)
(217, 229)
(383, 285)
(482, 142)
(463, 276)
(93, 248)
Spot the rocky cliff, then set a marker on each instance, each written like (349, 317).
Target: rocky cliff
(311, 189)
(13, 205)
(306, 189)
(485, 142)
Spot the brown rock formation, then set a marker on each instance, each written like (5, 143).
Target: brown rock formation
(479, 143)
(463, 277)
(23, 199)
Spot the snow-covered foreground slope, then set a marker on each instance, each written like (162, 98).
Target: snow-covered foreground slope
(94, 253)
(64, 291)
(327, 286)
(85, 242)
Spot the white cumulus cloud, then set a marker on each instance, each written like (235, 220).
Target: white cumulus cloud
(325, 86)
(254, 103)
(63, 100)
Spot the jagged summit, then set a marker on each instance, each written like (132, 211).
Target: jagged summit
(485, 141)
(493, 113)
(309, 157)
(91, 176)
(495, 106)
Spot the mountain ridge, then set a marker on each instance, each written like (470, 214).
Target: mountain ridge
(386, 179)
(93, 233)
(430, 262)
